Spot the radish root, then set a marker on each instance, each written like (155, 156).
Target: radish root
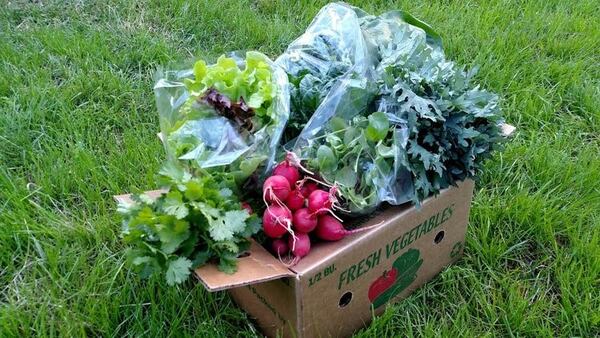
(294, 160)
(329, 211)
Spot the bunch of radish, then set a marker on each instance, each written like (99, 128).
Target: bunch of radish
(297, 207)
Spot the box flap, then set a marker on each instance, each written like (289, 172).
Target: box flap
(256, 267)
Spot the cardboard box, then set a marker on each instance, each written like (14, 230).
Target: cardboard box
(339, 286)
(349, 281)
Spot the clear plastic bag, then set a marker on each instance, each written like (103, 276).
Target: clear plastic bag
(203, 137)
(401, 122)
(334, 87)
(331, 47)
(341, 143)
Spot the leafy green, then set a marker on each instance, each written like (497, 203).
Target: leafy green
(173, 205)
(354, 163)
(378, 127)
(178, 270)
(452, 126)
(425, 126)
(309, 81)
(227, 116)
(326, 159)
(254, 83)
(198, 219)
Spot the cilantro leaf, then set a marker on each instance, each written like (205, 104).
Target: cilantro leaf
(191, 224)
(236, 220)
(201, 258)
(228, 263)
(175, 173)
(224, 227)
(178, 270)
(174, 205)
(172, 235)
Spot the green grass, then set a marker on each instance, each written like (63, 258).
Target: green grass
(78, 124)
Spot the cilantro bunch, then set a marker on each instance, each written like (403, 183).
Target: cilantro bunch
(196, 220)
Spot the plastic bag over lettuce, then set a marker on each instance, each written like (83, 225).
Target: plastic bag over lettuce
(228, 116)
(403, 124)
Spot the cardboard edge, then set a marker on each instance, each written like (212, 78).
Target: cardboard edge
(342, 245)
(299, 309)
(258, 266)
(226, 287)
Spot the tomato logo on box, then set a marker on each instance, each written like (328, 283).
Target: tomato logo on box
(392, 282)
(382, 283)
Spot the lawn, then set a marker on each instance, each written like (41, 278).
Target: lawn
(78, 124)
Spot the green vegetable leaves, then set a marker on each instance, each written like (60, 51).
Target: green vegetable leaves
(326, 159)
(378, 127)
(356, 155)
(173, 205)
(178, 270)
(172, 233)
(423, 128)
(253, 83)
(451, 130)
(451, 125)
(223, 227)
(228, 116)
(198, 219)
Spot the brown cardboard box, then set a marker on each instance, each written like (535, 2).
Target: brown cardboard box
(338, 287)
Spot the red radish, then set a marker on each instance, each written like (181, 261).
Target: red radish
(288, 171)
(276, 189)
(330, 229)
(280, 246)
(247, 207)
(295, 200)
(300, 246)
(276, 221)
(307, 188)
(304, 220)
(320, 201)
